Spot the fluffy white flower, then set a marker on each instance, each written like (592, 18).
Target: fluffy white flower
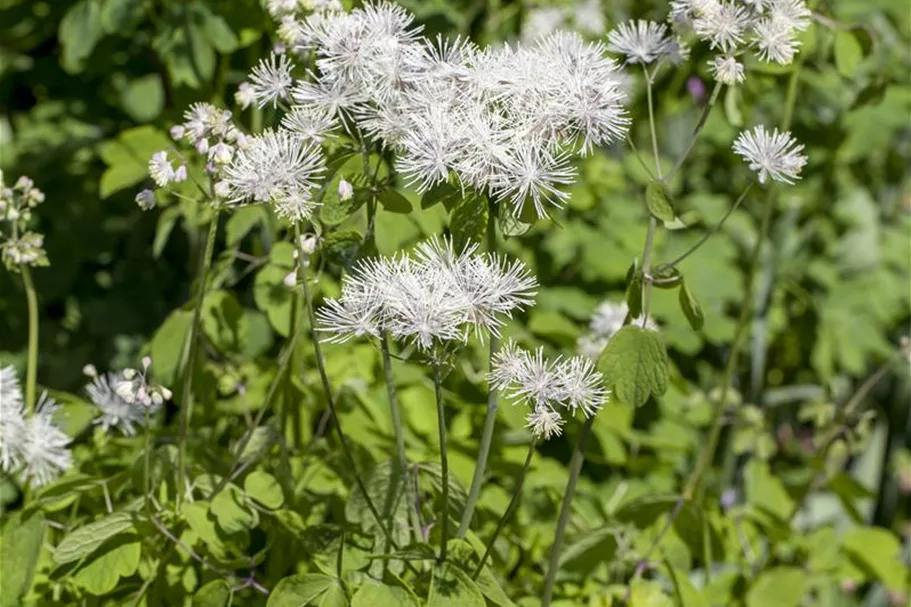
(545, 422)
(722, 24)
(27, 250)
(160, 169)
(12, 420)
(115, 411)
(244, 96)
(271, 79)
(311, 122)
(776, 155)
(45, 451)
(639, 41)
(530, 173)
(581, 386)
(278, 167)
(726, 70)
(146, 199)
(775, 40)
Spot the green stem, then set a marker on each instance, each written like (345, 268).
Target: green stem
(652, 220)
(509, 509)
(490, 418)
(31, 371)
(651, 122)
(394, 410)
(186, 400)
(708, 451)
(336, 421)
(575, 467)
(147, 459)
(444, 462)
(707, 235)
(288, 413)
(703, 117)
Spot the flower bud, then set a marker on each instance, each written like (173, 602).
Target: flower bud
(222, 189)
(180, 174)
(146, 200)
(345, 190)
(308, 244)
(290, 279)
(129, 374)
(90, 370)
(146, 362)
(177, 132)
(202, 146)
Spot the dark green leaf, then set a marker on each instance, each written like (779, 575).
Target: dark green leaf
(394, 202)
(634, 295)
(691, 308)
(342, 246)
(468, 223)
(452, 587)
(442, 192)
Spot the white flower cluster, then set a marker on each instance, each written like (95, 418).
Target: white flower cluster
(768, 28)
(18, 246)
(776, 155)
(430, 299)
(211, 132)
(33, 447)
(548, 386)
(122, 398)
(606, 320)
(646, 42)
(505, 120)
(584, 16)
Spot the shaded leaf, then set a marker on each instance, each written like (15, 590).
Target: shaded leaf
(634, 364)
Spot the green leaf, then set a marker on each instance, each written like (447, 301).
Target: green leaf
(263, 488)
(779, 586)
(202, 55)
(848, 53)
(80, 30)
(452, 587)
(21, 545)
(634, 364)
(115, 559)
(216, 593)
(167, 345)
(273, 297)
(659, 201)
(217, 30)
(166, 222)
(634, 295)
(594, 548)
(878, 552)
(687, 594)
(334, 210)
(691, 308)
(299, 590)
(342, 246)
(223, 321)
(467, 558)
(231, 512)
(196, 514)
(441, 192)
(143, 98)
(84, 540)
(241, 221)
(374, 594)
(468, 223)
(394, 202)
(127, 157)
(334, 596)
(122, 16)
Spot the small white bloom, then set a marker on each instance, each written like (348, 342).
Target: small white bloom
(311, 122)
(581, 386)
(89, 370)
(146, 199)
(271, 80)
(776, 155)
(640, 41)
(160, 169)
(115, 411)
(345, 190)
(45, 452)
(244, 96)
(12, 420)
(180, 174)
(775, 40)
(290, 279)
(726, 70)
(722, 24)
(27, 250)
(177, 132)
(545, 422)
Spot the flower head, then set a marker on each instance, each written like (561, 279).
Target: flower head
(12, 420)
(45, 451)
(726, 70)
(776, 155)
(640, 41)
(115, 410)
(271, 80)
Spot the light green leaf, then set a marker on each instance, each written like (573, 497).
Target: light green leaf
(216, 593)
(779, 586)
(452, 587)
(84, 540)
(242, 221)
(167, 345)
(593, 548)
(166, 222)
(659, 201)
(127, 157)
(299, 590)
(467, 558)
(687, 594)
(114, 560)
(263, 488)
(848, 53)
(196, 514)
(223, 321)
(691, 308)
(273, 297)
(634, 364)
(231, 512)
(217, 30)
(766, 491)
(80, 30)
(374, 594)
(878, 552)
(21, 544)
(334, 596)
(468, 223)
(143, 98)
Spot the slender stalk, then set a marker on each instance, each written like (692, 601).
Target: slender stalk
(509, 509)
(146, 459)
(575, 467)
(677, 260)
(394, 410)
(330, 400)
(703, 117)
(490, 418)
(31, 371)
(186, 400)
(652, 220)
(651, 121)
(296, 316)
(444, 462)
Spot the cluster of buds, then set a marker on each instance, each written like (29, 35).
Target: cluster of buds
(135, 387)
(212, 133)
(18, 246)
(306, 247)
